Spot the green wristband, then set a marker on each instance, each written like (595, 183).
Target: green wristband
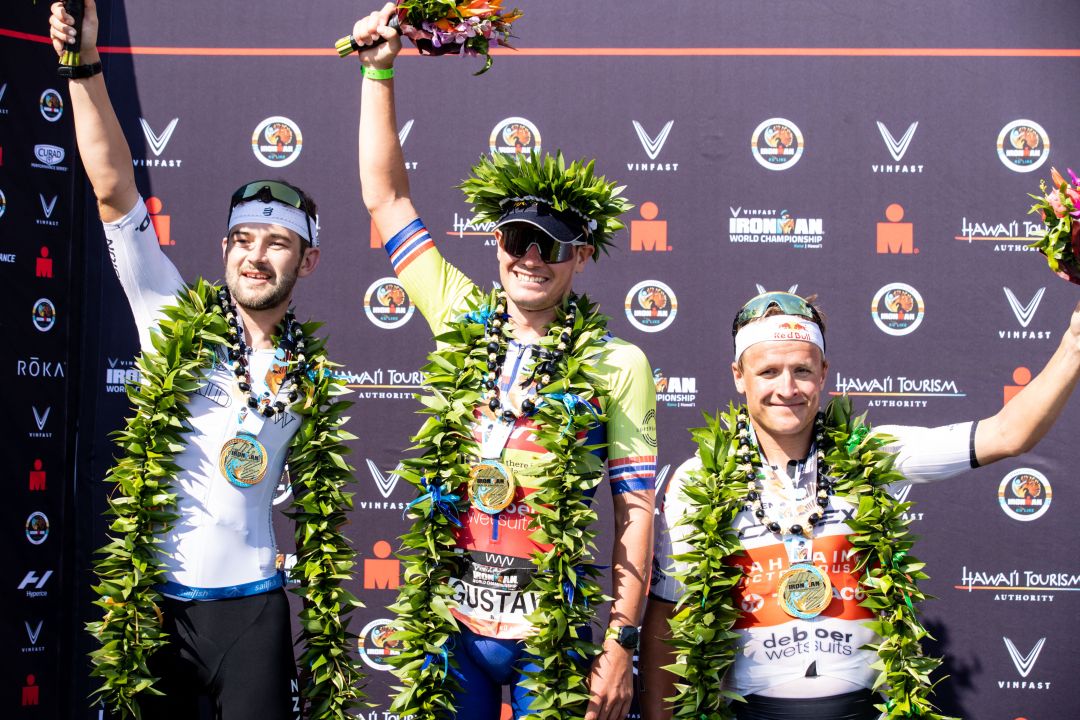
(377, 73)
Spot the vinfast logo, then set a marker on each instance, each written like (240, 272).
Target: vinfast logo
(41, 417)
(402, 136)
(902, 493)
(158, 142)
(653, 146)
(1024, 663)
(1024, 313)
(33, 632)
(897, 148)
(384, 482)
(47, 207)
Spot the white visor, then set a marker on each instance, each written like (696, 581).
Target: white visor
(275, 213)
(778, 328)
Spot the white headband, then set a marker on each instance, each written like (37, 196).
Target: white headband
(778, 327)
(275, 213)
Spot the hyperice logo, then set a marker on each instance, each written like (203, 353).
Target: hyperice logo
(775, 227)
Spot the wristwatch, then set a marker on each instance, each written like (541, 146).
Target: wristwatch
(627, 636)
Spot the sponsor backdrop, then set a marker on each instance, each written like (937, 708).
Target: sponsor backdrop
(783, 149)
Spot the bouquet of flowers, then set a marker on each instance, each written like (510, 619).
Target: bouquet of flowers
(444, 27)
(1060, 209)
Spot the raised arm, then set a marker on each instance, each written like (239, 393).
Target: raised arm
(102, 146)
(383, 179)
(1025, 419)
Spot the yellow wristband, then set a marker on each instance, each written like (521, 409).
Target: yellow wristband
(377, 73)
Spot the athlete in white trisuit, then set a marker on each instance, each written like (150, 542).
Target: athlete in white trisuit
(224, 609)
(789, 668)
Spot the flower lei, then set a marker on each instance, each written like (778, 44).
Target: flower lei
(130, 566)
(701, 630)
(565, 578)
(1060, 210)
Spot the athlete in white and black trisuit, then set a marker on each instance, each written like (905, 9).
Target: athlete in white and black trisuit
(787, 667)
(225, 610)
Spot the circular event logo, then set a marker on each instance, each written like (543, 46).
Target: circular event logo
(44, 314)
(374, 646)
(1023, 146)
(898, 309)
(37, 528)
(277, 141)
(3, 203)
(387, 304)
(514, 136)
(51, 105)
(651, 306)
(777, 144)
(1024, 494)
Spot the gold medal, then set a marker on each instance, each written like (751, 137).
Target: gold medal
(804, 591)
(491, 486)
(243, 461)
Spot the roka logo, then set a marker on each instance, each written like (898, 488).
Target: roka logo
(1024, 313)
(897, 148)
(1024, 663)
(653, 145)
(158, 142)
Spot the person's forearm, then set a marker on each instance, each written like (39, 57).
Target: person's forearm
(1027, 417)
(630, 556)
(383, 177)
(102, 147)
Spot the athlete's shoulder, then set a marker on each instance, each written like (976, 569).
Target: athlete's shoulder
(621, 354)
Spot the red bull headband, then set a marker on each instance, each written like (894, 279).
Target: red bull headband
(778, 328)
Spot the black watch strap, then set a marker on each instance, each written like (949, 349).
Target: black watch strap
(627, 636)
(78, 72)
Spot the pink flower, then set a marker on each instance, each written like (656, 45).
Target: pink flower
(1055, 203)
(1074, 195)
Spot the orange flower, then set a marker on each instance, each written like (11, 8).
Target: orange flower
(1056, 177)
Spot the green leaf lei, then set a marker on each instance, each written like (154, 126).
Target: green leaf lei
(131, 566)
(498, 179)
(565, 584)
(702, 634)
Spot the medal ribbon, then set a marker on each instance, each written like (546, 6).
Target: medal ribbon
(445, 504)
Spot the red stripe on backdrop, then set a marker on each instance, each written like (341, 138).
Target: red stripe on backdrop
(603, 52)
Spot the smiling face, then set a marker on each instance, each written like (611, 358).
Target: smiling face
(533, 285)
(262, 263)
(782, 382)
